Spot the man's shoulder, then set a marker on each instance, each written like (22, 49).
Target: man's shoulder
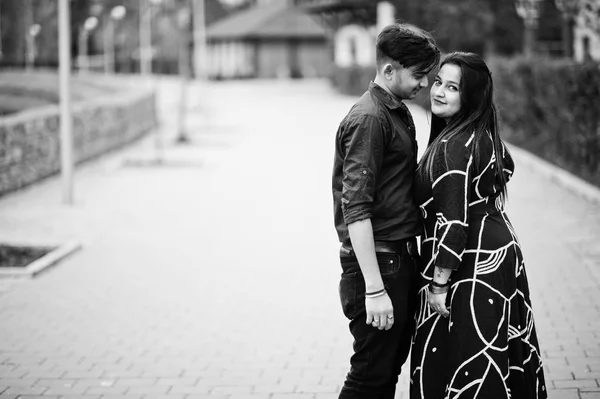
(365, 107)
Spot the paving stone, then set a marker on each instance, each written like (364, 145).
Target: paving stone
(206, 396)
(230, 390)
(190, 381)
(293, 396)
(25, 390)
(176, 293)
(317, 388)
(186, 390)
(560, 384)
(564, 394)
(168, 396)
(148, 390)
(249, 396)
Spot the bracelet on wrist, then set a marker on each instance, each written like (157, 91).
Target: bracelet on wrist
(439, 290)
(436, 284)
(375, 294)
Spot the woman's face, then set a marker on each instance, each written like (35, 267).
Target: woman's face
(445, 92)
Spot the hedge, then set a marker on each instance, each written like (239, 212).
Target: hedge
(355, 80)
(549, 107)
(552, 108)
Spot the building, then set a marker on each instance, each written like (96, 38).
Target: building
(270, 40)
(355, 25)
(586, 33)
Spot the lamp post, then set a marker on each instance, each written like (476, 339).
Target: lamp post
(146, 16)
(0, 31)
(34, 30)
(90, 24)
(116, 14)
(200, 50)
(183, 22)
(66, 122)
(529, 11)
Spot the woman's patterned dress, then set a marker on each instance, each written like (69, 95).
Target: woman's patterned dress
(488, 346)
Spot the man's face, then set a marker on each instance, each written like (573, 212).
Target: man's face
(405, 83)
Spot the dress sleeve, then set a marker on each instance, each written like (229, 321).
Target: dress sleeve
(451, 194)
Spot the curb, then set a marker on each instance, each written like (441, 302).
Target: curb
(555, 174)
(43, 263)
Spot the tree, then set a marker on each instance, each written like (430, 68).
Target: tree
(482, 26)
(569, 10)
(590, 14)
(588, 11)
(14, 28)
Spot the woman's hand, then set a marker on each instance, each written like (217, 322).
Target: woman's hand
(437, 302)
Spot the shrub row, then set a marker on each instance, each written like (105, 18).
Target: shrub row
(548, 107)
(552, 108)
(355, 80)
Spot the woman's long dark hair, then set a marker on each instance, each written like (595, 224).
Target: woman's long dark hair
(477, 115)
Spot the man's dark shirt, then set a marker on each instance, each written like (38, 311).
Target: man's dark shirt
(374, 168)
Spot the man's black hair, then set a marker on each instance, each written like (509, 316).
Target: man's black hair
(409, 46)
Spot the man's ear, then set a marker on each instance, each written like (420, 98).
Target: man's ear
(388, 70)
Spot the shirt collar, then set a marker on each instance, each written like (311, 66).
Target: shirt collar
(385, 97)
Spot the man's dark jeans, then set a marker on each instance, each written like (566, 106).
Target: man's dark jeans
(378, 354)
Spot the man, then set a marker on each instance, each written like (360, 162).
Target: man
(375, 216)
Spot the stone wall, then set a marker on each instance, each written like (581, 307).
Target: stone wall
(30, 140)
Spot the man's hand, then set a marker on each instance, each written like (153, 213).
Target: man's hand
(380, 312)
(437, 302)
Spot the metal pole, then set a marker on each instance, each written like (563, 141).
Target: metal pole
(109, 45)
(29, 56)
(66, 122)
(200, 52)
(145, 37)
(529, 36)
(184, 73)
(83, 52)
(0, 30)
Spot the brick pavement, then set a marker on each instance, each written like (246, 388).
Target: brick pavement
(214, 275)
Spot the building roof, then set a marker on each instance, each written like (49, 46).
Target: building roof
(214, 11)
(334, 5)
(269, 21)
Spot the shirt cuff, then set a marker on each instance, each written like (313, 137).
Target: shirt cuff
(356, 214)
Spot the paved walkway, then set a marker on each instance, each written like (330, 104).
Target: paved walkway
(215, 275)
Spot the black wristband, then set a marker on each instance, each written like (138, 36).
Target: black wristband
(439, 285)
(381, 291)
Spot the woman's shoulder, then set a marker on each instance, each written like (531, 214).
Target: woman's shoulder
(459, 144)
(470, 140)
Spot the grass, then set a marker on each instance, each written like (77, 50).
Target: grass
(17, 256)
(21, 90)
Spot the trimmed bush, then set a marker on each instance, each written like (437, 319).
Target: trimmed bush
(355, 80)
(552, 108)
(547, 106)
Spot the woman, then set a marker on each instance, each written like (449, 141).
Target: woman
(475, 335)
